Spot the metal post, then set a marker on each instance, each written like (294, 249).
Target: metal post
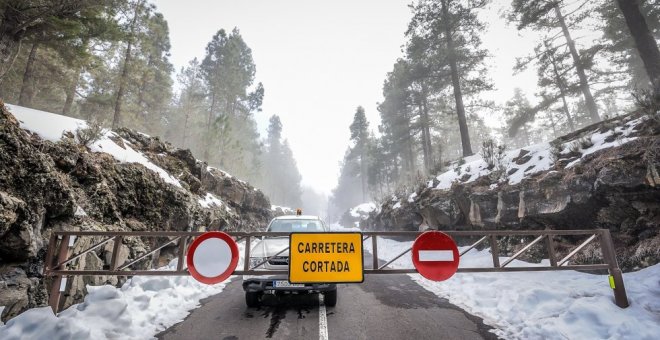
(495, 251)
(115, 253)
(55, 293)
(246, 259)
(620, 296)
(374, 250)
(182, 253)
(551, 251)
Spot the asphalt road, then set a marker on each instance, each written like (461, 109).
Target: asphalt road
(383, 307)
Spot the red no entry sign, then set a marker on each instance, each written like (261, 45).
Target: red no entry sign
(435, 255)
(212, 257)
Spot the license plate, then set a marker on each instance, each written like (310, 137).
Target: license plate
(287, 284)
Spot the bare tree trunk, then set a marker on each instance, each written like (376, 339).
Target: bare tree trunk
(207, 140)
(427, 128)
(185, 128)
(562, 92)
(411, 155)
(363, 170)
(526, 134)
(116, 119)
(455, 80)
(554, 125)
(71, 91)
(27, 88)
(425, 151)
(644, 41)
(584, 83)
(10, 41)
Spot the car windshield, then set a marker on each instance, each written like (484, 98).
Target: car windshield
(295, 225)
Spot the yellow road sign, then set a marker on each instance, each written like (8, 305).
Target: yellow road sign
(325, 258)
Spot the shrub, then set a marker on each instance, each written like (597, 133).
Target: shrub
(647, 102)
(89, 134)
(493, 155)
(575, 148)
(585, 142)
(556, 147)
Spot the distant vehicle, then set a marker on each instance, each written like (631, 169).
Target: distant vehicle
(256, 286)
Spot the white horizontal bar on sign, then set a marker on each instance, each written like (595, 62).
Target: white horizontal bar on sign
(436, 255)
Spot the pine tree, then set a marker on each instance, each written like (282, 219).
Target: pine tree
(645, 43)
(186, 119)
(450, 28)
(228, 71)
(516, 107)
(282, 180)
(131, 30)
(619, 44)
(544, 15)
(555, 84)
(360, 137)
(33, 20)
(348, 192)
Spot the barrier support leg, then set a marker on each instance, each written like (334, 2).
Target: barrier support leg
(620, 296)
(55, 291)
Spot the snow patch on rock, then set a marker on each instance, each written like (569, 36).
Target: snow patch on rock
(539, 158)
(209, 201)
(51, 126)
(362, 211)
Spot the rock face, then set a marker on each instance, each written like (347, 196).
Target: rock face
(616, 188)
(46, 186)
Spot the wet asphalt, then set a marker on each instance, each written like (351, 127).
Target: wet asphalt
(389, 306)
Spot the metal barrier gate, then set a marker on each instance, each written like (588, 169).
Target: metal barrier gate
(61, 264)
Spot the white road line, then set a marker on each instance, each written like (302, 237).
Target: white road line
(323, 320)
(436, 255)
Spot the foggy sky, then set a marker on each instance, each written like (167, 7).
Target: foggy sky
(319, 60)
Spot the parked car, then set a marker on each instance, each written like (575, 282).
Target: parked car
(256, 286)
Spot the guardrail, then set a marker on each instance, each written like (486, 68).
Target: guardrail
(61, 264)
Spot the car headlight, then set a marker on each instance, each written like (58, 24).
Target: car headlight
(254, 261)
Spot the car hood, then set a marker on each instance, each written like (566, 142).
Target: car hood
(270, 246)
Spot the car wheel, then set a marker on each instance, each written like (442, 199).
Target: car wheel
(252, 299)
(330, 298)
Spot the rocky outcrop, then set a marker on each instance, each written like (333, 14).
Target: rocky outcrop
(615, 188)
(46, 186)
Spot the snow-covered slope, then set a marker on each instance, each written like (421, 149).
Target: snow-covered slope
(124, 181)
(51, 126)
(539, 157)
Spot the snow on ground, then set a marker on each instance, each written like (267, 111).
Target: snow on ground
(140, 309)
(540, 157)
(341, 228)
(363, 210)
(525, 305)
(51, 126)
(599, 142)
(544, 305)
